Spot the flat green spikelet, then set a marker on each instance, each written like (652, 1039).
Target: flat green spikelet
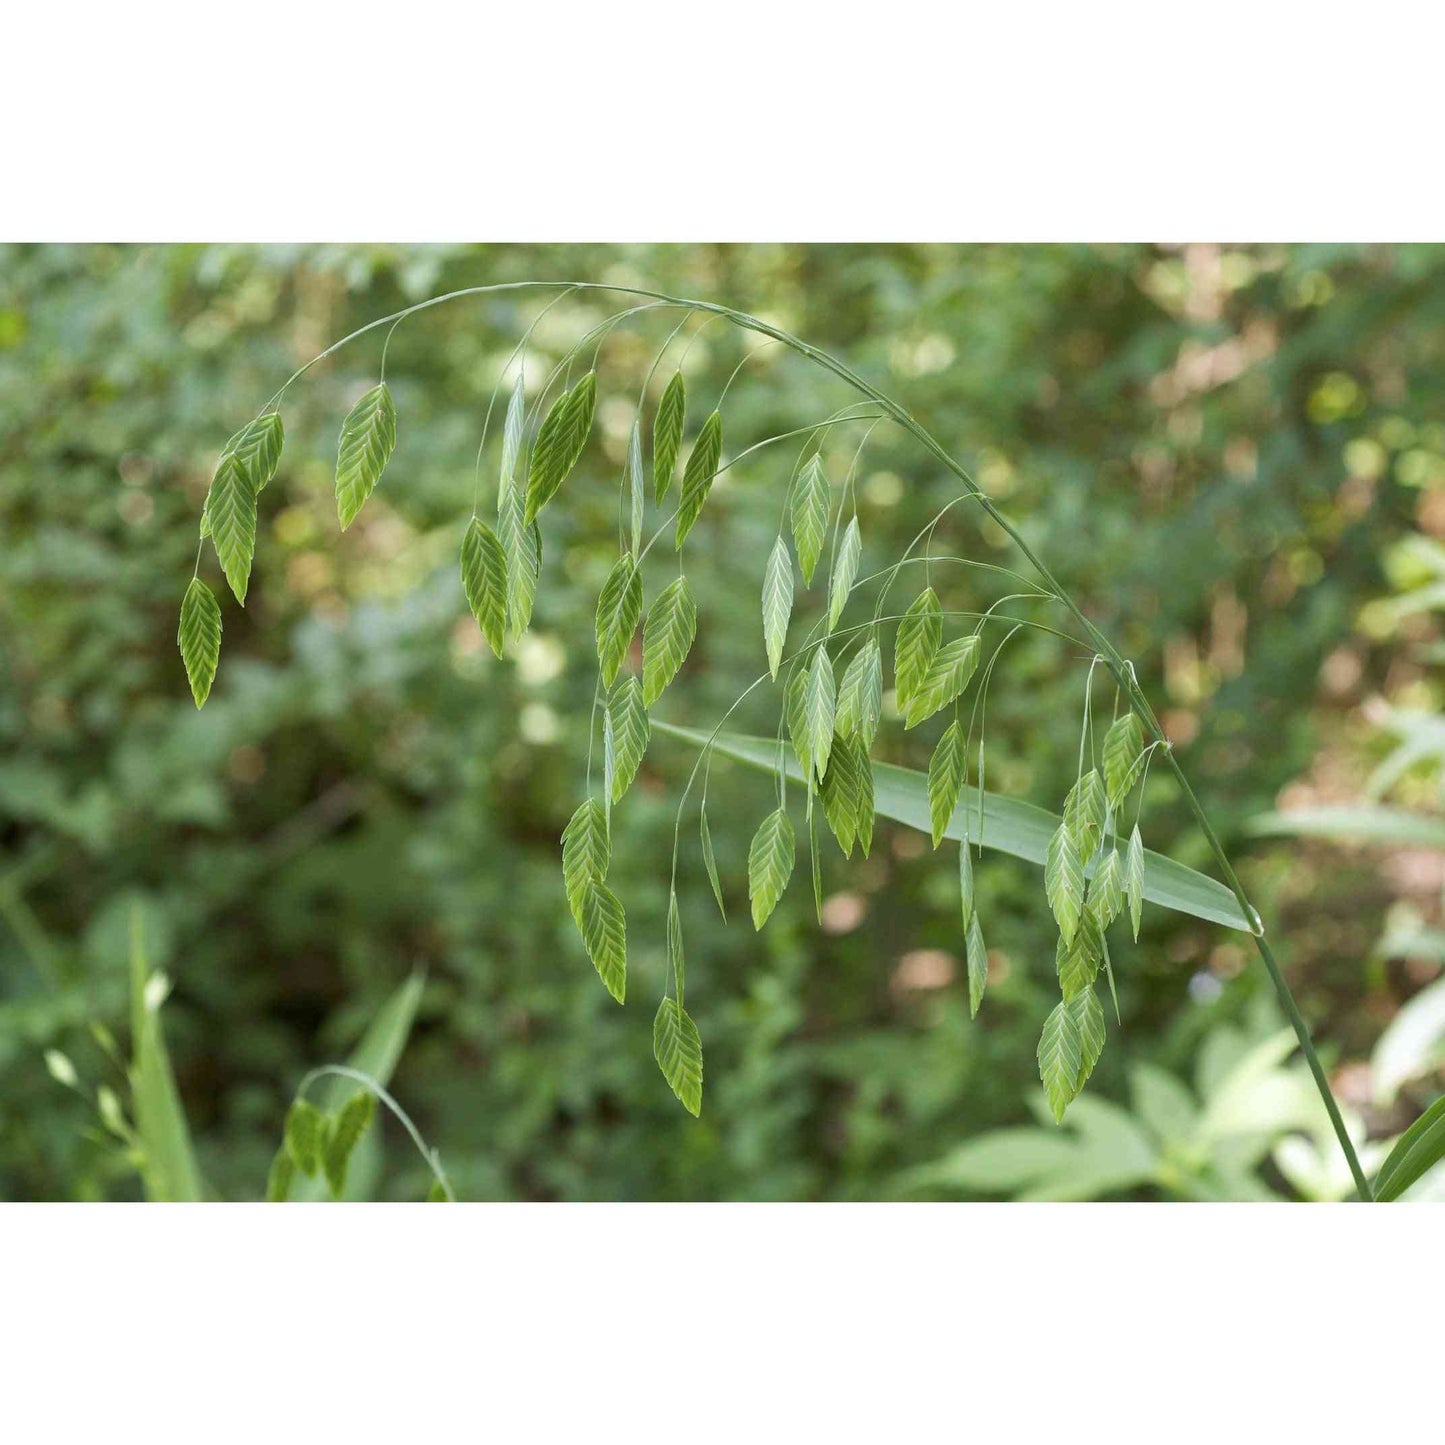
(603, 926)
(860, 695)
(949, 671)
(777, 602)
(678, 1051)
(306, 1132)
(199, 637)
(667, 637)
(698, 475)
(1061, 1058)
(560, 443)
(630, 733)
(1123, 755)
(586, 851)
(809, 515)
(619, 608)
(351, 1123)
(920, 632)
(1064, 881)
(230, 515)
(368, 437)
(946, 770)
(770, 864)
(484, 579)
(667, 434)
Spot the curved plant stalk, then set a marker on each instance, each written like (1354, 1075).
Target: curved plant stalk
(1116, 663)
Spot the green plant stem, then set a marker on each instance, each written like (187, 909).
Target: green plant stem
(1113, 659)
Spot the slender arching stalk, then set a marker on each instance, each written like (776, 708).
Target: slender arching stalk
(1103, 648)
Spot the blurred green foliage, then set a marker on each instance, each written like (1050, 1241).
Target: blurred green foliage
(1214, 447)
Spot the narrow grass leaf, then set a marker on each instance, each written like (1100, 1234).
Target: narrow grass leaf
(965, 883)
(777, 602)
(698, 474)
(169, 1169)
(770, 864)
(678, 1050)
(368, 437)
(667, 637)
(710, 862)
(618, 610)
(675, 959)
(635, 483)
(484, 579)
(810, 508)
(845, 569)
(1418, 1149)
(199, 637)
(667, 434)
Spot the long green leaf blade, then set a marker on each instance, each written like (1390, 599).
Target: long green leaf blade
(1010, 825)
(920, 631)
(1419, 1148)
